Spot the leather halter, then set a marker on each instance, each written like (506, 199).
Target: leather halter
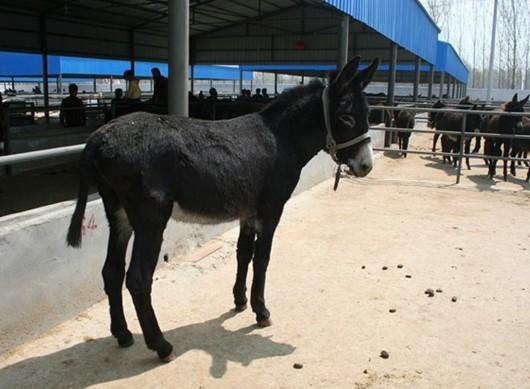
(331, 145)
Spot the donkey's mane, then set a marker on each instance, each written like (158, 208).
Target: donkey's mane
(290, 96)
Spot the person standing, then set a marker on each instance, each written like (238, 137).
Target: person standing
(72, 109)
(4, 125)
(160, 89)
(133, 90)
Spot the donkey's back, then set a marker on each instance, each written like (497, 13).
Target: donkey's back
(217, 169)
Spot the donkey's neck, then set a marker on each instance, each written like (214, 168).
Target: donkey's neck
(297, 118)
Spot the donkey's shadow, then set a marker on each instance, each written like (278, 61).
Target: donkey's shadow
(99, 361)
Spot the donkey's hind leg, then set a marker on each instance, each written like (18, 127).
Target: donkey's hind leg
(148, 223)
(114, 268)
(262, 252)
(245, 251)
(467, 147)
(434, 141)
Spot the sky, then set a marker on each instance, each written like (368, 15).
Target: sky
(471, 20)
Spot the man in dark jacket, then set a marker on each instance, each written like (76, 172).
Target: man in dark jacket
(160, 89)
(72, 109)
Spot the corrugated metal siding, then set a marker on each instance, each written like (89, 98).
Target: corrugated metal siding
(448, 61)
(403, 21)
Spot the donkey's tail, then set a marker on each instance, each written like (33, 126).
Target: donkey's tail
(73, 237)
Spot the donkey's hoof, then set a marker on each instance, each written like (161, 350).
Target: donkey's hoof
(166, 354)
(240, 308)
(168, 358)
(264, 323)
(126, 341)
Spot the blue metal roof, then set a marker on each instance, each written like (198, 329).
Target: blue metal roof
(325, 68)
(22, 64)
(447, 60)
(405, 22)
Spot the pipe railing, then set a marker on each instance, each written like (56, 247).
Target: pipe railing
(76, 149)
(13, 159)
(463, 133)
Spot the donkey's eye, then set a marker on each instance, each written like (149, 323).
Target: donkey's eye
(348, 120)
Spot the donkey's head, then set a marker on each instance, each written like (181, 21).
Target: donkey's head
(516, 105)
(348, 141)
(508, 123)
(432, 115)
(465, 103)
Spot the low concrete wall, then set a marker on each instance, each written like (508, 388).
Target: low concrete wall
(39, 137)
(43, 282)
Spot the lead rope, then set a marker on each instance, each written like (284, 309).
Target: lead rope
(331, 145)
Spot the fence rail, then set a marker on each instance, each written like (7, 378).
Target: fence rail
(463, 134)
(76, 149)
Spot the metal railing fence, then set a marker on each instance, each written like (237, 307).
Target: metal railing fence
(463, 134)
(76, 149)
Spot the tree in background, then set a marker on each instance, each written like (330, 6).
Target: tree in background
(467, 24)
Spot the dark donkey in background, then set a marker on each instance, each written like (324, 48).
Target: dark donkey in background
(504, 125)
(148, 168)
(463, 104)
(404, 119)
(521, 146)
(453, 121)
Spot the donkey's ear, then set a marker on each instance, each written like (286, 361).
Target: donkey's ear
(514, 99)
(364, 77)
(524, 101)
(342, 81)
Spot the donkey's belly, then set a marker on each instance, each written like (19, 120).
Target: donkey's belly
(182, 215)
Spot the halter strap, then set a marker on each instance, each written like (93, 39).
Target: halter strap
(331, 145)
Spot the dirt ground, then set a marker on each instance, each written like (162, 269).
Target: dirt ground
(330, 297)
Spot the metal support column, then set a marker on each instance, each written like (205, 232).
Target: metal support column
(44, 53)
(442, 81)
(95, 85)
(453, 89)
(344, 34)
(111, 84)
(389, 136)
(392, 74)
(275, 83)
(448, 86)
(431, 80)
(132, 51)
(60, 80)
(192, 80)
(417, 72)
(13, 83)
(241, 81)
(178, 19)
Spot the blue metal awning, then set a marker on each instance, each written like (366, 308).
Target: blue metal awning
(447, 60)
(405, 22)
(30, 65)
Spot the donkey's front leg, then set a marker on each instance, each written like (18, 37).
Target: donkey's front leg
(147, 243)
(267, 226)
(245, 251)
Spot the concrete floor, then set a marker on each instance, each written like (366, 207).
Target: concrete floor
(329, 313)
